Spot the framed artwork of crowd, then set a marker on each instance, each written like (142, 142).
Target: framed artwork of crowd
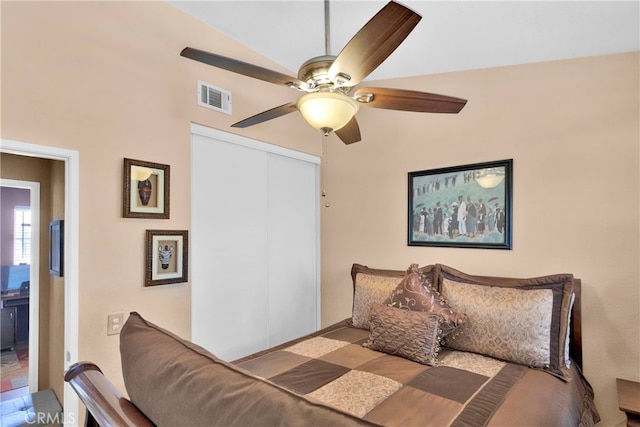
(465, 206)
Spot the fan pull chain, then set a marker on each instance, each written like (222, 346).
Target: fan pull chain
(325, 163)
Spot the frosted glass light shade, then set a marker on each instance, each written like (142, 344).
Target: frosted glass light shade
(327, 110)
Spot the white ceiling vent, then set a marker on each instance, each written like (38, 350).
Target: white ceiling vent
(213, 97)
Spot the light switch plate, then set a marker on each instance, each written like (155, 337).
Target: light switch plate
(114, 323)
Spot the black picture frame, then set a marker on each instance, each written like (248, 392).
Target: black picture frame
(145, 189)
(56, 248)
(435, 197)
(166, 257)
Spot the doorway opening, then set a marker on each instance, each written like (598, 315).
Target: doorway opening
(20, 284)
(71, 172)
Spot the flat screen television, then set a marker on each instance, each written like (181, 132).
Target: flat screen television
(13, 276)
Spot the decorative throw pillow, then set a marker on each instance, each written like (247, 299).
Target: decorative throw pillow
(560, 285)
(374, 285)
(414, 335)
(412, 293)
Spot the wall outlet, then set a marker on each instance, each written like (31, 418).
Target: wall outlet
(114, 323)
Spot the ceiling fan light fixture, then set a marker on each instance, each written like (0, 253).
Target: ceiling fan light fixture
(341, 79)
(327, 80)
(327, 110)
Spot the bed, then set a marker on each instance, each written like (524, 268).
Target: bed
(429, 346)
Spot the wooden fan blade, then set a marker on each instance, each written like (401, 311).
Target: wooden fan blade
(241, 67)
(408, 100)
(373, 44)
(266, 115)
(350, 132)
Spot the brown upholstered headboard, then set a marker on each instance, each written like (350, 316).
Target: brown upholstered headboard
(575, 346)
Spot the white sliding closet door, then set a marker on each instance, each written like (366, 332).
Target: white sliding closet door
(292, 256)
(254, 243)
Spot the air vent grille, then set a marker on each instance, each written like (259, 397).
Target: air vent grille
(214, 97)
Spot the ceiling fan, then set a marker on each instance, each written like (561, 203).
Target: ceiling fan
(328, 81)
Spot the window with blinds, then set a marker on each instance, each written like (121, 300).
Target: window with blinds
(22, 235)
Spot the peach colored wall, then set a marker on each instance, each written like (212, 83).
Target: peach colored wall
(115, 86)
(571, 128)
(106, 79)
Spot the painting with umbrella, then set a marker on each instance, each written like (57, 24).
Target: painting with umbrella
(461, 206)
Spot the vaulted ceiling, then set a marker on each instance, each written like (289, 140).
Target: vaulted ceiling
(452, 35)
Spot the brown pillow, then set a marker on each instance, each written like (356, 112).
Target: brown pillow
(414, 335)
(372, 285)
(175, 382)
(560, 286)
(412, 293)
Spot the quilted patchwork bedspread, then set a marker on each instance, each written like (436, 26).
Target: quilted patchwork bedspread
(464, 389)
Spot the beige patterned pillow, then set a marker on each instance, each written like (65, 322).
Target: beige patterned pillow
(561, 286)
(412, 293)
(369, 290)
(375, 285)
(414, 335)
(512, 324)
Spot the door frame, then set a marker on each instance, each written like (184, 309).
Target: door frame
(34, 275)
(71, 159)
